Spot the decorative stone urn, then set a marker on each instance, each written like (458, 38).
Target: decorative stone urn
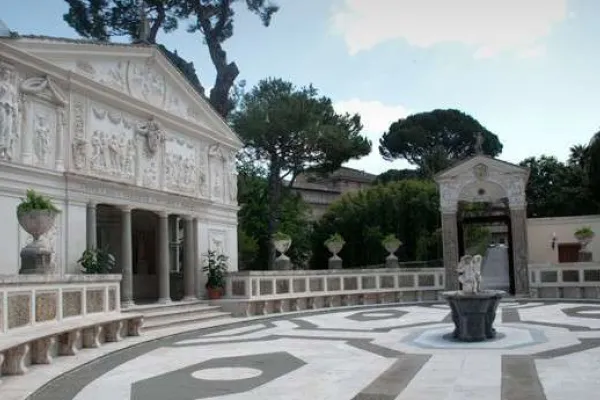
(391, 245)
(36, 256)
(282, 243)
(473, 310)
(335, 244)
(584, 236)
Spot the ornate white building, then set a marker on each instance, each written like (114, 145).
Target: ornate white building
(125, 147)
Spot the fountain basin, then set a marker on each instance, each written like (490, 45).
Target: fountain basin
(473, 314)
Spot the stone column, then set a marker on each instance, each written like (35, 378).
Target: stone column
(164, 270)
(189, 273)
(126, 258)
(450, 244)
(91, 227)
(200, 277)
(518, 222)
(174, 238)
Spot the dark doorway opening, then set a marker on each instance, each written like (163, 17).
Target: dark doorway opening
(502, 238)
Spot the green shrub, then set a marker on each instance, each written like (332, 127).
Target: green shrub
(34, 201)
(97, 261)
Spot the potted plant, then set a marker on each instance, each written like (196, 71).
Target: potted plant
(335, 243)
(584, 236)
(282, 243)
(36, 215)
(97, 261)
(215, 267)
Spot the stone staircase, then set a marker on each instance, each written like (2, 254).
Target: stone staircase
(157, 316)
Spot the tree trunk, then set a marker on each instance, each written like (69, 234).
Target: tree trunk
(274, 200)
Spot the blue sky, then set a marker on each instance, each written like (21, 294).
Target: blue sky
(526, 69)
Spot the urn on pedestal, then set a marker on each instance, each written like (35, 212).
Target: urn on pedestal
(335, 244)
(584, 236)
(36, 215)
(391, 244)
(282, 243)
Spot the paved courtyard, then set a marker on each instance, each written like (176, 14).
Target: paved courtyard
(543, 351)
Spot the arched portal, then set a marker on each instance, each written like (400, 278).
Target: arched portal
(489, 192)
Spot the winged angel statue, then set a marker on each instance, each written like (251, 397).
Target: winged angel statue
(469, 270)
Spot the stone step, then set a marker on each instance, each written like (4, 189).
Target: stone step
(170, 307)
(182, 312)
(173, 320)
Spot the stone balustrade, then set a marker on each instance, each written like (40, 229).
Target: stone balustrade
(579, 280)
(263, 292)
(45, 316)
(30, 300)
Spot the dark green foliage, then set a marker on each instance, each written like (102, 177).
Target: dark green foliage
(433, 141)
(556, 189)
(215, 269)
(393, 175)
(103, 19)
(593, 167)
(97, 261)
(408, 209)
(34, 201)
(291, 130)
(253, 220)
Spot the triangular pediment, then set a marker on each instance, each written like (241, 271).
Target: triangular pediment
(481, 165)
(142, 72)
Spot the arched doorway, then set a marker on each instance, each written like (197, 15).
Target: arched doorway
(489, 193)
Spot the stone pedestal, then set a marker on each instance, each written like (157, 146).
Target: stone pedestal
(334, 263)
(391, 262)
(473, 314)
(585, 256)
(283, 263)
(36, 259)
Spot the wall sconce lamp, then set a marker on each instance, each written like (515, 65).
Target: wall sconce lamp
(553, 242)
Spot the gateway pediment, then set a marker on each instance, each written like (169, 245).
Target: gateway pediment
(142, 72)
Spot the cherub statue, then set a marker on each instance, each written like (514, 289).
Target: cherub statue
(469, 270)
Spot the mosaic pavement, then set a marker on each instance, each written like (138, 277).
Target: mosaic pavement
(543, 351)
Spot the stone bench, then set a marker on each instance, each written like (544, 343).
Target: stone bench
(38, 341)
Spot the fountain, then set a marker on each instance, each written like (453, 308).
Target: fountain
(473, 309)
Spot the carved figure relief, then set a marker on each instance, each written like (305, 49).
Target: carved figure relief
(180, 172)
(480, 171)
(232, 178)
(112, 154)
(216, 167)
(202, 176)
(153, 134)
(42, 134)
(79, 145)
(8, 111)
(217, 241)
(146, 83)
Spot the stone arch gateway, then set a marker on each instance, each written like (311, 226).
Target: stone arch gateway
(482, 179)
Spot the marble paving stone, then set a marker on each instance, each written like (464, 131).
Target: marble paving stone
(543, 351)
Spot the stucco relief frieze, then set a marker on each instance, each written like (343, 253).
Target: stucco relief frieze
(9, 111)
(79, 144)
(232, 177)
(43, 108)
(180, 165)
(113, 150)
(144, 81)
(216, 166)
(216, 241)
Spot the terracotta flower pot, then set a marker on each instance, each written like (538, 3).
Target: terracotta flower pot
(214, 293)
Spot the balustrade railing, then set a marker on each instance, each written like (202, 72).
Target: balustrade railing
(565, 280)
(263, 292)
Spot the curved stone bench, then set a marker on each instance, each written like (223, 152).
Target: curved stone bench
(37, 344)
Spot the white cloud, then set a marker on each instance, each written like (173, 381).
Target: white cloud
(489, 26)
(376, 118)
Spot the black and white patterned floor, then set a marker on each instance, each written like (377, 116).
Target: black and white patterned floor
(543, 351)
